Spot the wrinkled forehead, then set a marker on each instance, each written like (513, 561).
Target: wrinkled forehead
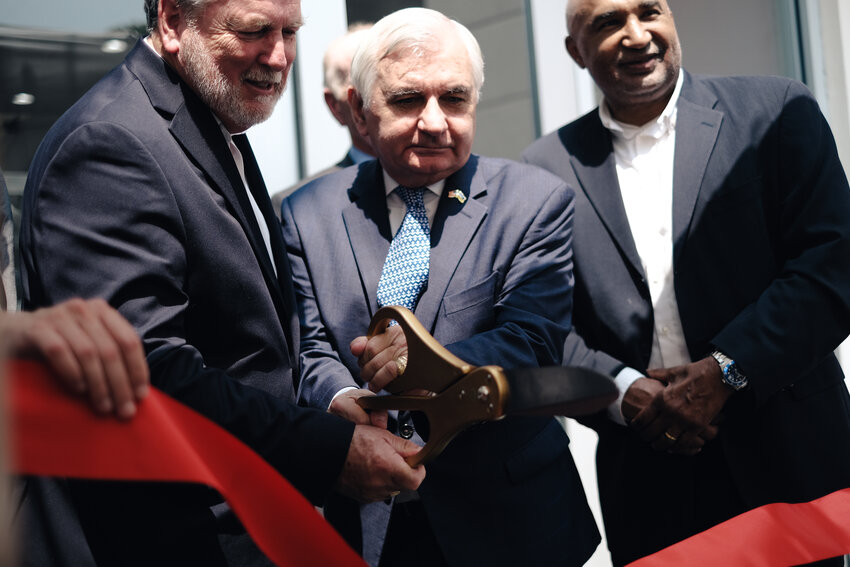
(428, 60)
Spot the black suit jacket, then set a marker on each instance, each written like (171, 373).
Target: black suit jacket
(133, 196)
(761, 235)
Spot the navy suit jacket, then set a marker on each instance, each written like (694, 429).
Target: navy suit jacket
(498, 292)
(134, 197)
(761, 256)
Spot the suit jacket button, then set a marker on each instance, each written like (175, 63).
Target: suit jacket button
(406, 431)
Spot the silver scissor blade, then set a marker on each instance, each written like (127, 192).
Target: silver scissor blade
(558, 390)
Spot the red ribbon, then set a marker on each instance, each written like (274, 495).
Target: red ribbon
(56, 435)
(769, 536)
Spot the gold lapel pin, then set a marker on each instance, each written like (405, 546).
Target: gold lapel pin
(457, 194)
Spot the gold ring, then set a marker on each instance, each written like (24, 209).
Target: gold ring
(394, 494)
(671, 438)
(401, 363)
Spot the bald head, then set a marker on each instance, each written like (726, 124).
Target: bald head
(337, 60)
(631, 49)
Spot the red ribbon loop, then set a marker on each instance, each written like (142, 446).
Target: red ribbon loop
(55, 435)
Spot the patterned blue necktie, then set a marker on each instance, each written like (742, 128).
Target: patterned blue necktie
(405, 270)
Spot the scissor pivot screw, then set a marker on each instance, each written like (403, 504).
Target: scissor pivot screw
(483, 393)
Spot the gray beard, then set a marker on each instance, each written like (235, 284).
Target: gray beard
(223, 97)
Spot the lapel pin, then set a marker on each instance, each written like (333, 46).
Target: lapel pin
(457, 194)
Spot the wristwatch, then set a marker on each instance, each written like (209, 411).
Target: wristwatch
(731, 376)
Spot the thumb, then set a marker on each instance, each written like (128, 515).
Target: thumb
(404, 447)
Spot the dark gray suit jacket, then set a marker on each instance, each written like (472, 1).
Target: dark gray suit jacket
(761, 235)
(278, 197)
(133, 196)
(499, 292)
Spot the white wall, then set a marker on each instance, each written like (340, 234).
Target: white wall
(829, 28)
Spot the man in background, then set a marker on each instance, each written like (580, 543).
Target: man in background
(336, 66)
(712, 255)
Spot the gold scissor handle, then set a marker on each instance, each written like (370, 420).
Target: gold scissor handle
(429, 365)
(465, 394)
(479, 396)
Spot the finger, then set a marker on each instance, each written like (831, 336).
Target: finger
(406, 477)
(106, 359)
(659, 431)
(660, 374)
(709, 433)
(383, 376)
(372, 363)
(131, 350)
(374, 346)
(379, 418)
(405, 447)
(644, 417)
(345, 406)
(665, 441)
(357, 346)
(72, 339)
(688, 443)
(51, 347)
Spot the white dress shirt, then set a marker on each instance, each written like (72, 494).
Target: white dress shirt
(240, 165)
(396, 207)
(644, 156)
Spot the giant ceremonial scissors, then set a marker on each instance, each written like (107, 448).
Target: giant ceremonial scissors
(463, 395)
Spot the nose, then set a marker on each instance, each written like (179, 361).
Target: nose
(637, 36)
(432, 119)
(276, 56)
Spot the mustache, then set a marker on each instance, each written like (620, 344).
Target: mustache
(639, 56)
(260, 76)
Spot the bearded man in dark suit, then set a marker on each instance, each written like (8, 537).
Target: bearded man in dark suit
(146, 194)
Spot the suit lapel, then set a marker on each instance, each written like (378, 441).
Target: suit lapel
(197, 132)
(592, 159)
(368, 228)
(204, 141)
(279, 282)
(454, 227)
(697, 127)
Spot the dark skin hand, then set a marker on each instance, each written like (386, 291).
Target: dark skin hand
(682, 402)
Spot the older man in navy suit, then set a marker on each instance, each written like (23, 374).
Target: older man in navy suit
(712, 261)
(496, 290)
(146, 194)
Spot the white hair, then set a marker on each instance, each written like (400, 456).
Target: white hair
(406, 28)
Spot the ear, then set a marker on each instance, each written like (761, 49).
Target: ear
(358, 112)
(334, 106)
(170, 25)
(572, 49)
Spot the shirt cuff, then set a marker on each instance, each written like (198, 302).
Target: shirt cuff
(354, 388)
(623, 380)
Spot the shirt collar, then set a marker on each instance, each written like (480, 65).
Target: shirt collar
(359, 156)
(390, 184)
(664, 123)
